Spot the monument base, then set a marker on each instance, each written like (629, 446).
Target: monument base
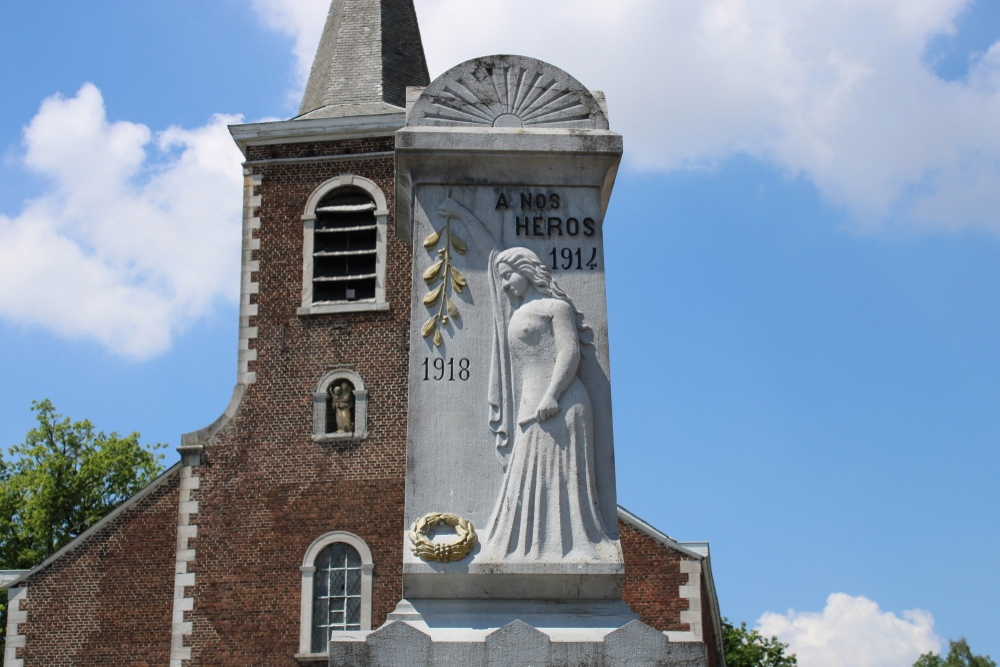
(513, 633)
(518, 581)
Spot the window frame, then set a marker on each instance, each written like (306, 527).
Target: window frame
(308, 247)
(320, 414)
(308, 570)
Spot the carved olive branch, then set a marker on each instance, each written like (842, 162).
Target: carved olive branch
(439, 277)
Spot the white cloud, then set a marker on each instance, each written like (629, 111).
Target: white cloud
(853, 631)
(302, 20)
(138, 235)
(835, 91)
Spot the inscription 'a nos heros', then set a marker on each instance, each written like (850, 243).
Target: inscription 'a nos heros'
(537, 216)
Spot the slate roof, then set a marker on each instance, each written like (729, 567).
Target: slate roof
(369, 53)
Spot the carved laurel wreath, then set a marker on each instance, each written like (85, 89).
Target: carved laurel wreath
(442, 552)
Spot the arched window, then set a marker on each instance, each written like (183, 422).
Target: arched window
(343, 247)
(336, 590)
(340, 407)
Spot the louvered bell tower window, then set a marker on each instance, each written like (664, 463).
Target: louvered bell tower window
(345, 248)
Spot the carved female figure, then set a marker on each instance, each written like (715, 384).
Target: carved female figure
(541, 414)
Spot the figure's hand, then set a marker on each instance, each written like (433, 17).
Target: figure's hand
(450, 208)
(547, 407)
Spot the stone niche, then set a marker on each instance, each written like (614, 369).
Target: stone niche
(504, 161)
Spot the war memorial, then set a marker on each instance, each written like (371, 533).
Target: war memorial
(417, 466)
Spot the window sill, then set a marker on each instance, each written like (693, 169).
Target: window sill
(344, 307)
(312, 657)
(339, 437)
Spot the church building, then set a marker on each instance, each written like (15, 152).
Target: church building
(282, 526)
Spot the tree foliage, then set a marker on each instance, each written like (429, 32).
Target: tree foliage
(959, 655)
(744, 647)
(61, 480)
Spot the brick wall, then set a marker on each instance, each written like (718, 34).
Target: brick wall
(108, 601)
(652, 580)
(267, 491)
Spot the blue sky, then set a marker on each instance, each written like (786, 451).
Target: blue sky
(802, 253)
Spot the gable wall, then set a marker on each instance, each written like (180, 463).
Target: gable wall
(108, 600)
(653, 579)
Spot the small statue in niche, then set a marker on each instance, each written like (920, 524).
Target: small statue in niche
(342, 401)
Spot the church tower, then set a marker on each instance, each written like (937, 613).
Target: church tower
(283, 523)
(305, 473)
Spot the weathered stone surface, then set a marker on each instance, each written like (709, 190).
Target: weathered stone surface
(507, 92)
(636, 645)
(349, 654)
(368, 54)
(508, 161)
(687, 654)
(517, 645)
(398, 644)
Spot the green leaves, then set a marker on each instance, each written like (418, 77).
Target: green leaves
(959, 655)
(749, 648)
(61, 480)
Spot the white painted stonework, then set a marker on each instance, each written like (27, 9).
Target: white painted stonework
(248, 286)
(503, 175)
(183, 578)
(15, 617)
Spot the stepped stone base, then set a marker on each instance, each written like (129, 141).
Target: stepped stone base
(568, 636)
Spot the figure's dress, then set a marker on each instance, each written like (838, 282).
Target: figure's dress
(547, 508)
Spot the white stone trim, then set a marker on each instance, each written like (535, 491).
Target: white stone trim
(360, 407)
(248, 286)
(317, 129)
(183, 579)
(691, 591)
(308, 569)
(308, 226)
(15, 617)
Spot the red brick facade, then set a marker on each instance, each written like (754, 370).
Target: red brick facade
(652, 580)
(266, 489)
(108, 600)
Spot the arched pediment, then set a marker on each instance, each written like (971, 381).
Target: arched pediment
(505, 91)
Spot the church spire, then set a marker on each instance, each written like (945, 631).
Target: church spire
(369, 53)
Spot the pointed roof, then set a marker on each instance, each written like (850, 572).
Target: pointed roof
(369, 53)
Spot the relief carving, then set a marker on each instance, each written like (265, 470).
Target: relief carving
(425, 548)
(507, 92)
(441, 276)
(541, 415)
(539, 412)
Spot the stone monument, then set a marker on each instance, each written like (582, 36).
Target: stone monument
(504, 170)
